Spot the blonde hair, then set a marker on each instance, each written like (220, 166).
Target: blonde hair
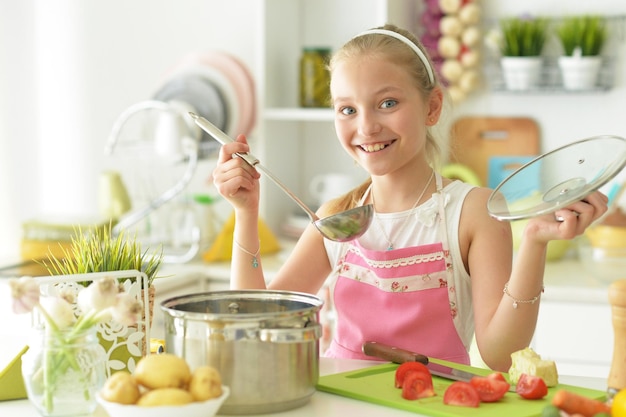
(398, 52)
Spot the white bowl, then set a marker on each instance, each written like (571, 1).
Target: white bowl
(197, 409)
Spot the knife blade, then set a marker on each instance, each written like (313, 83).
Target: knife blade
(398, 355)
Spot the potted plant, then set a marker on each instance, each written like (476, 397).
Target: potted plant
(97, 250)
(582, 39)
(522, 42)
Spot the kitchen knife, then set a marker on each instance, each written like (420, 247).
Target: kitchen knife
(397, 355)
(392, 353)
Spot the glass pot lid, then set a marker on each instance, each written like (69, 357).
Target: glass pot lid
(558, 178)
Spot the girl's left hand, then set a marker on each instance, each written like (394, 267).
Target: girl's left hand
(571, 221)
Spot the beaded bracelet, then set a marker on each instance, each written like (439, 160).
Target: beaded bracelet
(255, 260)
(516, 301)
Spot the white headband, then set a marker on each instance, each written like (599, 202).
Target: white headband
(407, 41)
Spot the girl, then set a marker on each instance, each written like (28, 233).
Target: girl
(434, 268)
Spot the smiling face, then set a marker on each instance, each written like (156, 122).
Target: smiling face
(381, 116)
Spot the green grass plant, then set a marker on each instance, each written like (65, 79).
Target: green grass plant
(98, 251)
(523, 36)
(585, 32)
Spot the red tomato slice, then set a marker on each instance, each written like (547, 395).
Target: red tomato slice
(417, 384)
(497, 376)
(461, 393)
(490, 388)
(531, 387)
(404, 368)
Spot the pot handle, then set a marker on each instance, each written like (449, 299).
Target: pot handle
(305, 334)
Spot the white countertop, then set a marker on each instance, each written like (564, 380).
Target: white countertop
(321, 403)
(570, 280)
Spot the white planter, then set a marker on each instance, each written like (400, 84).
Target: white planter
(521, 73)
(580, 72)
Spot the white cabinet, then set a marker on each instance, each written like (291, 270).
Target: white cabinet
(297, 143)
(575, 324)
(577, 335)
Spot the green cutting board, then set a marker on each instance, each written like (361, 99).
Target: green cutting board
(376, 385)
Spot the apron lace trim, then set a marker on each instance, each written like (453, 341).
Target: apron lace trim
(397, 262)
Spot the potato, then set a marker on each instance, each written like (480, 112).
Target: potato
(121, 388)
(206, 383)
(164, 370)
(165, 396)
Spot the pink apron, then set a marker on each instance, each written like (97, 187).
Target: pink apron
(403, 297)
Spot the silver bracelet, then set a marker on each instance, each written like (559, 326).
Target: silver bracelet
(255, 260)
(516, 301)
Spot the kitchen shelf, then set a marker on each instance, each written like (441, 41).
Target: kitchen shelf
(551, 78)
(552, 82)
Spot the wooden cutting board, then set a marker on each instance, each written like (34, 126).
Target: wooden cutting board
(476, 140)
(376, 385)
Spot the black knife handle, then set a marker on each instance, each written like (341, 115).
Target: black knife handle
(392, 354)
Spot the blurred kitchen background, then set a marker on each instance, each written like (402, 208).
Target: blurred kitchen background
(79, 77)
(70, 68)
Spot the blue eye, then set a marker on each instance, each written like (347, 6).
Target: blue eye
(347, 110)
(388, 104)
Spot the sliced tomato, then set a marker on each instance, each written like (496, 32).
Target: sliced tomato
(497, 376)
(461, 393)
(531, 387)
(490, 388)
(417, 384)
(404, 368)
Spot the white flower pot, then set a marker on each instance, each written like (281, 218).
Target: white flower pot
(580, 72)
(521, 73)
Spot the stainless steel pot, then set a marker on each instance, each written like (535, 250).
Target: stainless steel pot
(264, 343)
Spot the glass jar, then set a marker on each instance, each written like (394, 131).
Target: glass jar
(63, 370)
(314, 77)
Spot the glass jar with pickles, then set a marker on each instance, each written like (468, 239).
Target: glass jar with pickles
(314, 77)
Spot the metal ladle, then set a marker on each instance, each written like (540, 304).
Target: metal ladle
(340, 227)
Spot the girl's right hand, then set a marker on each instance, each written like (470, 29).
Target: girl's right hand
(234, 178)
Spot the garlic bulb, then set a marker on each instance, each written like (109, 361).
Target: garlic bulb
(469, 80)
(470, 36)
(449, 6)
(470, 59)
(449, 47)
(450, 26)
(451, 69)
(470, 14)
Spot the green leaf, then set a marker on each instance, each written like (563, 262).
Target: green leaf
(524, 36)
(588, 33)
(98, 251)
